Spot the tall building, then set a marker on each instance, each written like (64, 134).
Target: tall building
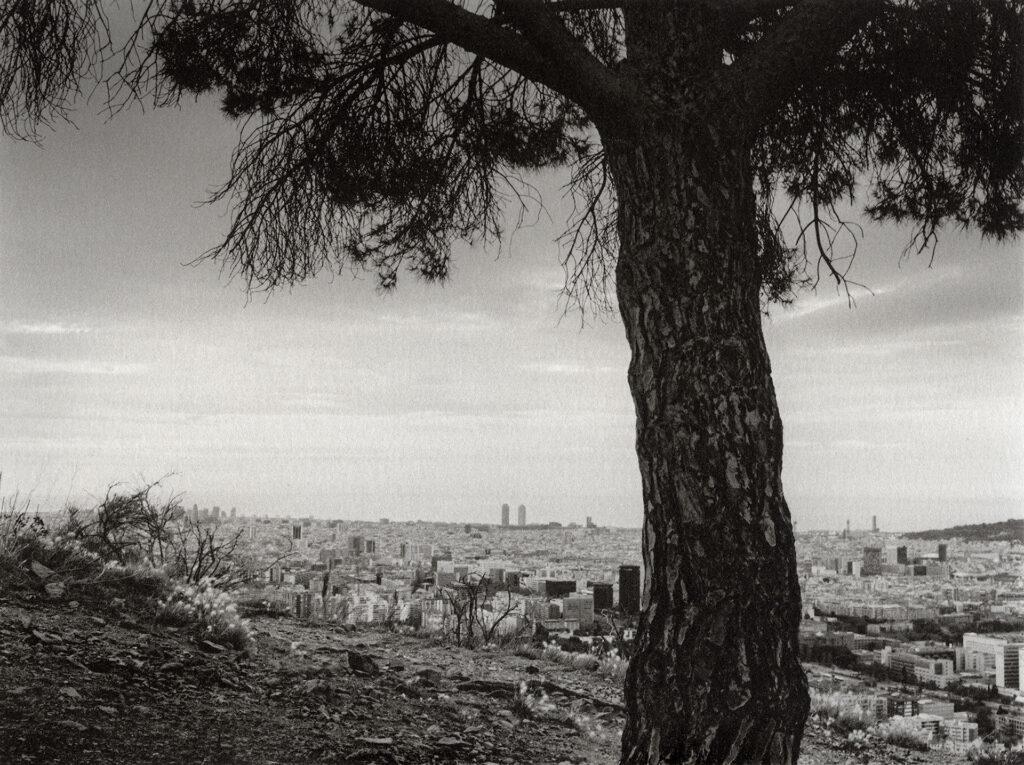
(522, 515)
(942, 553)
(296, 531)
(874, 523)
(234, 513)
(603, 595)
(872, 565)
(901, 555)
(629, 589)
(504, 514)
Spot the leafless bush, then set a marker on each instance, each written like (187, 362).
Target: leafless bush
(478, 608)
(201, 553)
(127, 526)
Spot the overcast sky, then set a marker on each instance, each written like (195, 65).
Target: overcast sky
(119, 363)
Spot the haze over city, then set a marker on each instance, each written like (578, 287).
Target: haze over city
(118, 362)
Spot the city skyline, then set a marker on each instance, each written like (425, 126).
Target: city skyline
(118, 363)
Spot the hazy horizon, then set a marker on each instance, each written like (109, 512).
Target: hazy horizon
(119, 363)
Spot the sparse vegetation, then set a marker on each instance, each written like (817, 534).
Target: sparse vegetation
(477, 609)
(843, 713)
(538, 705)
(131, 548)
(606, 662)
(210, 610)
(992, 753)
(901, 731)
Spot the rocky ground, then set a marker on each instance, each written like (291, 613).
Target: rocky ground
(99, 686)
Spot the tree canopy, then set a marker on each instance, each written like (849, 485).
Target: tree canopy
(379, 132)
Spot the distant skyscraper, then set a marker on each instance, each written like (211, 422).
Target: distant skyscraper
(629, 589)
(874, 523)
(942, 553)
(901, 555)
(296, 531)
(602, 596)
(522, 515)
(872, 561)
(234, 512)
(504, 514)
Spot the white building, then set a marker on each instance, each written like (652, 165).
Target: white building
(994, 655)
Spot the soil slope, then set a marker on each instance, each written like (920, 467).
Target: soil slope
(101, 687)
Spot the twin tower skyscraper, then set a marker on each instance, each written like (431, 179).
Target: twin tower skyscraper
(506, 515)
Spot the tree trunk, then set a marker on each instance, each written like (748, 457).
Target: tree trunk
(716, 676)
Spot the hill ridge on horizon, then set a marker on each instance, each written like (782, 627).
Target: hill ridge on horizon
(1010, 530)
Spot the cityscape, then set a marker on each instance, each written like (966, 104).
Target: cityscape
(933, 630)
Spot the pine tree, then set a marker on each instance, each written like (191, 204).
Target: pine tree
(709, 146)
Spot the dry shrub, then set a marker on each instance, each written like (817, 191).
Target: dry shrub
(211, 612)
(901, 731)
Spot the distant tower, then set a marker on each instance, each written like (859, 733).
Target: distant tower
(521, 511)
(504, 514)
(901, 555)
(942, 553)
(872, 565)
(629, 589)
(846, 534)
(602, 595)
(874, 523)
(233, 513)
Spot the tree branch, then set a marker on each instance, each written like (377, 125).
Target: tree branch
(548, 55)
(751, 7)
(797, 51)
(607, 96)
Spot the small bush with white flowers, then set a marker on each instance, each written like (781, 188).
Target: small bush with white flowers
(210, 611)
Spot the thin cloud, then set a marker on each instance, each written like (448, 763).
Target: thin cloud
(568, 369)
(20, 365)
(45, 328)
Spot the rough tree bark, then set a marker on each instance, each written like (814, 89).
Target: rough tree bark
(716, 676)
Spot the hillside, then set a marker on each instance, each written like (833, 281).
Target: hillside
(102, 687)
(1011, 530)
